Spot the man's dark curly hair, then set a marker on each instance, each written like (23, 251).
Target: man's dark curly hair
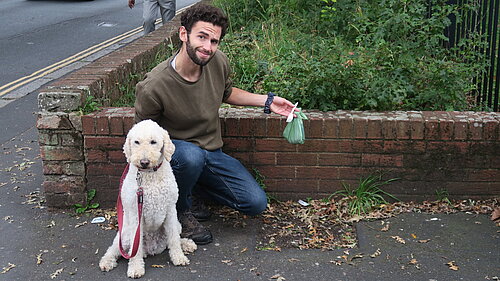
(206, 13)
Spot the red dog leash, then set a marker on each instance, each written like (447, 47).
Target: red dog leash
(119, 210)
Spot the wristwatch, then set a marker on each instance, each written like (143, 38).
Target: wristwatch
(269, 101)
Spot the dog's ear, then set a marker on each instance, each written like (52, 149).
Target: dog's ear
(168, 146)
(127, 149)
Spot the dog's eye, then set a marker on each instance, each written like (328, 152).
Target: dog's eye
(153, 142)
(136, 142)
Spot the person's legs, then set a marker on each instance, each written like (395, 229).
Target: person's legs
(149, 15)
(167, 10)
(187, 164)
(228, 182)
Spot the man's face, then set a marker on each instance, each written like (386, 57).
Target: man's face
(202, 42)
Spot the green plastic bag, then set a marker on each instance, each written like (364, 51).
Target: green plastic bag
(294, 130)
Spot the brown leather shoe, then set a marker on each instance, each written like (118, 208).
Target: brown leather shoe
(194, 230)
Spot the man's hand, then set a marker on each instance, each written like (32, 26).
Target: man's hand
(282, 106)
(131, 3)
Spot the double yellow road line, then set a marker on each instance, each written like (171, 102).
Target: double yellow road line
(7, 88)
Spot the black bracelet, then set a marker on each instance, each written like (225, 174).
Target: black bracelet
(269, 101)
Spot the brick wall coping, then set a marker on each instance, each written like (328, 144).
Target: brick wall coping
(410, 125)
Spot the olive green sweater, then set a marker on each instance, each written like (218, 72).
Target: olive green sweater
(187, 110)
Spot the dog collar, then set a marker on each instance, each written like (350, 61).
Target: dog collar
(154, 169)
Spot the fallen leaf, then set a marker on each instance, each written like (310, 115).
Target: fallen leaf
(39, 259)
(376, 254)
(157, 265)
(413, 261)
(7, 268)
(385, 228)
(56, 273)
(51, 224)
(336, 262)
(278, 277)
(414, 236)
(226, 262)
(244, 250)
(424, 240)
(495, 215)
(399, 239)
(452, 265)
(293, 260)
(80, 224)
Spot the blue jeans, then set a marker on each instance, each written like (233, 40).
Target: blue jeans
(217, 175)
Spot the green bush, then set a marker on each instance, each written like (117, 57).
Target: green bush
(352, 54)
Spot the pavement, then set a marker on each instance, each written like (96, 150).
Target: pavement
(41, 244)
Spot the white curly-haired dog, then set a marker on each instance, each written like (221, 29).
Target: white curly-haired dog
(148, 150)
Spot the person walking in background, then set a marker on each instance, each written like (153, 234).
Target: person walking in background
(150, 12)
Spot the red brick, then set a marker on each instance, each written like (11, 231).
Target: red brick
(302, 159)
(63, 184)
(128, 123)
(246, 127)
(331, 128)
(406, 147)
(88, 126)
(110, 169)
(116, 125)
(380, 160)
(61, 153)
(317, 172)
(447, 147)
(446, 128)
(104, 142)
(95, 155)
(403, 129)
(232, 127)
(417, 130)
(327, 145)
(359, 128)
(313, 128)
(489, 175)
(53, 121)
(293, 185)
(353, 173)
(491, 130)
(274, 145)
(264, 158)
(345, 128)
(389, 129)
(367, 146)
(460, 130)
(339, 159)
(260, 128)
(432, 130)
(476, 130)
(277, 172)
(238, 144)
(102, 125)
(116, 156)
(275, 127)
(374, 129)
(331, 186)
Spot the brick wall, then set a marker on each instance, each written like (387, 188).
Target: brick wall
(455, 151)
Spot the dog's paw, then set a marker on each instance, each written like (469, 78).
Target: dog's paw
(179, 259)
(106, 264)
(188, 245)
(135, 271)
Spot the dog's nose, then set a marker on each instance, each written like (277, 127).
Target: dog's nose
(144, 163)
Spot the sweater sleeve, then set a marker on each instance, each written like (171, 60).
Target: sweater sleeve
(146, 106)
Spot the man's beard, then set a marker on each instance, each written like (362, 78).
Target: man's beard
(192, 54)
